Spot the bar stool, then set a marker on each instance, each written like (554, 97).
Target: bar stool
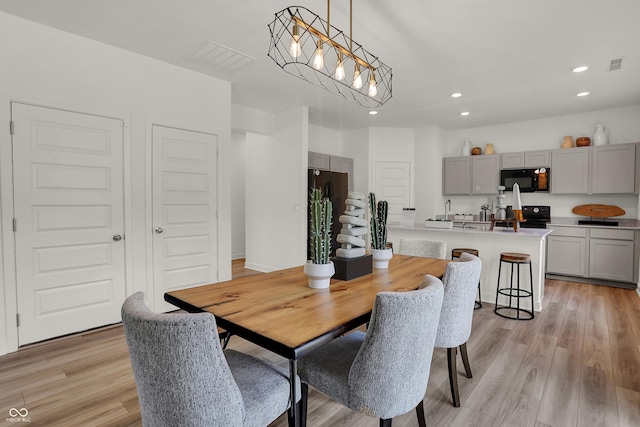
(455, 253)
(509, 311)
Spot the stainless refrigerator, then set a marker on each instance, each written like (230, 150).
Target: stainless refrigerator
(335, 186)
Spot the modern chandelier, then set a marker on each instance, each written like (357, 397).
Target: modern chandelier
(308, 47)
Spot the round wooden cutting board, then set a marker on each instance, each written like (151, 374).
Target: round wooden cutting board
(598, 211)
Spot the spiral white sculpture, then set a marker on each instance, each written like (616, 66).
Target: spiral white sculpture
(354, 226)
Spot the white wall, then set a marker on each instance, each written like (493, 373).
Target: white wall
(238, 192)
(356, 146)
(429, 151)
(326, 141)
(50, 67)
(391, 145)
(276, 199)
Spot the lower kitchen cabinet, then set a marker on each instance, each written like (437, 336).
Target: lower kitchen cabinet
(567, 251)
(611, 254)
(596, 253)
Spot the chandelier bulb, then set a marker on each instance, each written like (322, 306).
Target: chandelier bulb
(295, 49)
(318, 60)
(357, 77)
(340, 74)
(373, 86)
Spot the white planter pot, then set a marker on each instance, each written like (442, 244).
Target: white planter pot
(381, 257)
(319, 275)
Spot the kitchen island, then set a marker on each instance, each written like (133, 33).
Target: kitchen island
(490, 243)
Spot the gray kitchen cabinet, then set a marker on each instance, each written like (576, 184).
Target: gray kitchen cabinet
(319, 161)
(525, 159)
(613, 169)
(456, 175)
(611, 254)
(567, 251)
(512, 160)
(332, 163)
(570, 171)
(485, 174)
(540, 158)
(595, 253)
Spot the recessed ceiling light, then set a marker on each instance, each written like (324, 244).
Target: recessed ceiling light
(456, 95)
(465, 113)
(580, 69)
(373, 112)
(582, 94)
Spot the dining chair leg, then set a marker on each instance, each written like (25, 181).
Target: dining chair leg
(420, 413)
(465, 360)
(225, 337)
(385, 423)
(453, 377)
(304, 396)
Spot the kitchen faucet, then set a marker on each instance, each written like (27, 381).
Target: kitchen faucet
(447, 207)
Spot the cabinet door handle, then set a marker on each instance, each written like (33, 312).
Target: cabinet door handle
(158, 230)
(117, 237)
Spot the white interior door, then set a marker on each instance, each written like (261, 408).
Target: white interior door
(393, 184)
(184, 210)
(69, 210)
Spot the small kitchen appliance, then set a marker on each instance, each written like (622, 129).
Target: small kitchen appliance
(529, 180)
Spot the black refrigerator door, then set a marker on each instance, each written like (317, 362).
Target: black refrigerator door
(335, 186)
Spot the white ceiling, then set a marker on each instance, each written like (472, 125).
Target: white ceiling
(511, 59)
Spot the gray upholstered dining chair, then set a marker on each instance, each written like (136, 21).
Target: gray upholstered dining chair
(423, 248)
(384, 372)
(460, 283)
(184, 378)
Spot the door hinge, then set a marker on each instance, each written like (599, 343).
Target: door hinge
(17, 319)
(15, 225)
(11, 127)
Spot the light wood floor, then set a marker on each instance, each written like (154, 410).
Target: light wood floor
(576, 364)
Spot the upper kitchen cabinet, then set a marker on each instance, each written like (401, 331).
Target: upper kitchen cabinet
(613, 169)
(526, 159)
(475, 175)
(319, 161)
(534, 159)
(485, 174)
(570, 171)
(456, 175)
(512, 160)
(332, 163)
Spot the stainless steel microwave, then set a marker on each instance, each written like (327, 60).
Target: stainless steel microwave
(529, 180)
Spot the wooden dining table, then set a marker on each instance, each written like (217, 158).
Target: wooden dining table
(280, 312)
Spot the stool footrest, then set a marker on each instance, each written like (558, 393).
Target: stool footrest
(515, 315)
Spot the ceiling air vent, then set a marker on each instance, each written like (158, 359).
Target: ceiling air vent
(615, 64)
(219, 57)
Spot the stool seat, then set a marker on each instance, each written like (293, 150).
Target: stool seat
(515, 257)
(455, 253)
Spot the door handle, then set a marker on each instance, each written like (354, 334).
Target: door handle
(158, 230)
(117, 237)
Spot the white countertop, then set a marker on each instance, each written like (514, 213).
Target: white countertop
(481, 228)
(624, 223)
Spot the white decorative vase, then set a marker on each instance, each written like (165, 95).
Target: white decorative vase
(466, 148)
(381, 257)
(319, 275)
(600, 135)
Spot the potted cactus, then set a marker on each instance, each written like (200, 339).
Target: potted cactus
(381, 254)
(319, 269)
